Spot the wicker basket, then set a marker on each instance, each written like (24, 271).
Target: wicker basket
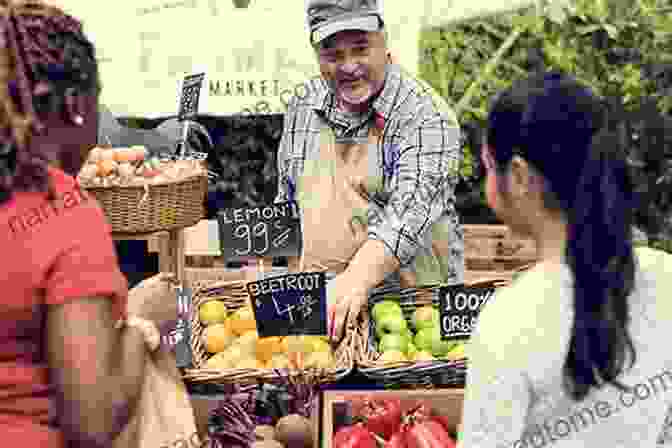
(234, 295)
(152, 208)
(425, 374)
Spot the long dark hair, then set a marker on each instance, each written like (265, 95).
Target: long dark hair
(564, 132)
(44, 56)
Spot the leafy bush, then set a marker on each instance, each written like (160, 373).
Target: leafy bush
(621, 48)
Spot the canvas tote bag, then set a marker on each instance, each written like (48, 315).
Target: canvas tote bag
(164, 416)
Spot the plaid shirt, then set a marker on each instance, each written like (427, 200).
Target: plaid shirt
(418, 161)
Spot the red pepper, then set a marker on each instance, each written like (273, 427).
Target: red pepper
(398, 440)
(382, 417)
(354, 437)
(427, 434)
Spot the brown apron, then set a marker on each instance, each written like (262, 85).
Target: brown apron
(333, 201)
(333, 196)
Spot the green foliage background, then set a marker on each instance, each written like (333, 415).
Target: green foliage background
(621, 48)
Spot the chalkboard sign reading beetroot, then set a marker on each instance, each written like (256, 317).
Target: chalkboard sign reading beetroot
(460, 306)
(294, 304)
(268, 231)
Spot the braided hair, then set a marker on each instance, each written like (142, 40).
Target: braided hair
(45, 58)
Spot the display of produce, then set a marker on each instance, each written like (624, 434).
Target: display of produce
(393, 423)
(233, 342)
(399, 341)
(270, 416)
(132, 167)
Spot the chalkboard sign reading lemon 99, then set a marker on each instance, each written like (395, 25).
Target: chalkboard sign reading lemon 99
(272, 230)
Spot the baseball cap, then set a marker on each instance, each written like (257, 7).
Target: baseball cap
(328, 17)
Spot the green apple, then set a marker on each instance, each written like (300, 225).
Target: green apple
(423, 339)
(411, 350)
(391, 323)
(426, 317)
(439, 346)
(385, 307)
(393, 342)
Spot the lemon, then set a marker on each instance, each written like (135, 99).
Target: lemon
(320, 360)
(393, 356)
(212, 312)
(423, 356)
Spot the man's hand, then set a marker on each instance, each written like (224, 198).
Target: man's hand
(345, 299)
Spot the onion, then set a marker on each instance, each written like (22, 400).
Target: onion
(294, 431)
(125, 171)
(94, 155)
(88, 172)
(107, 154)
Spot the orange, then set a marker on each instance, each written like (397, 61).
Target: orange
(267, 347)
(240, 326)
(106, 167)
(217, 338)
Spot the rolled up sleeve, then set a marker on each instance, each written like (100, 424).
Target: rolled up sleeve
(425, 170)
(286, 176)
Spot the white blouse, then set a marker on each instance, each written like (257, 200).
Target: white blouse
(514, 396)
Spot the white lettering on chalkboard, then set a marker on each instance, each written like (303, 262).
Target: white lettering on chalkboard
(471, 302)
(299, 282)
(260, 231)
(282, 312)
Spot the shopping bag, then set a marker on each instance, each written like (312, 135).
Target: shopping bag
(158, 294)
(164, 416)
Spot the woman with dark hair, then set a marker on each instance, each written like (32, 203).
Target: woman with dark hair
(68, 377)
(573, 353)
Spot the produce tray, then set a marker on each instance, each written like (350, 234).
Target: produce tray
(434, 373)
(151, 208)
(234, 294)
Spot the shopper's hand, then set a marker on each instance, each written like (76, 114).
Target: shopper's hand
(155, 299)
(345, 301)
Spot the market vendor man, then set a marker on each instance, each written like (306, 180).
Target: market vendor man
(371, 155)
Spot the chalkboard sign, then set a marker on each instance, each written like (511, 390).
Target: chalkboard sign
(191, 93)
(269, 231)
(294, 304)
(182, 334)
(459, 308)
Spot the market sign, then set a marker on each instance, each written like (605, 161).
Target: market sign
(459, 306)
(294, 304)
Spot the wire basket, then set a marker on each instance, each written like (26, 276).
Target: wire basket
(406, 374)
(234, 294)
(153, 207)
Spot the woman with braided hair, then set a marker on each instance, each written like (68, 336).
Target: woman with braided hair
(68, 376)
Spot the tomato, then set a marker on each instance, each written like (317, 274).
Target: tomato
(382, 417)
(398, 440)
(354, 437)
(427, 434)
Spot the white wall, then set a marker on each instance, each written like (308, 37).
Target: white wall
(147, 46)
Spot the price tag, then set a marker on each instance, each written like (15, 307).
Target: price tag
(191, 94)
(181, 337)
(268, 231)
(460, 306)
(294, 304)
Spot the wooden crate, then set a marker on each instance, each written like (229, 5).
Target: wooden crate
(448, 402)
(496, 248)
